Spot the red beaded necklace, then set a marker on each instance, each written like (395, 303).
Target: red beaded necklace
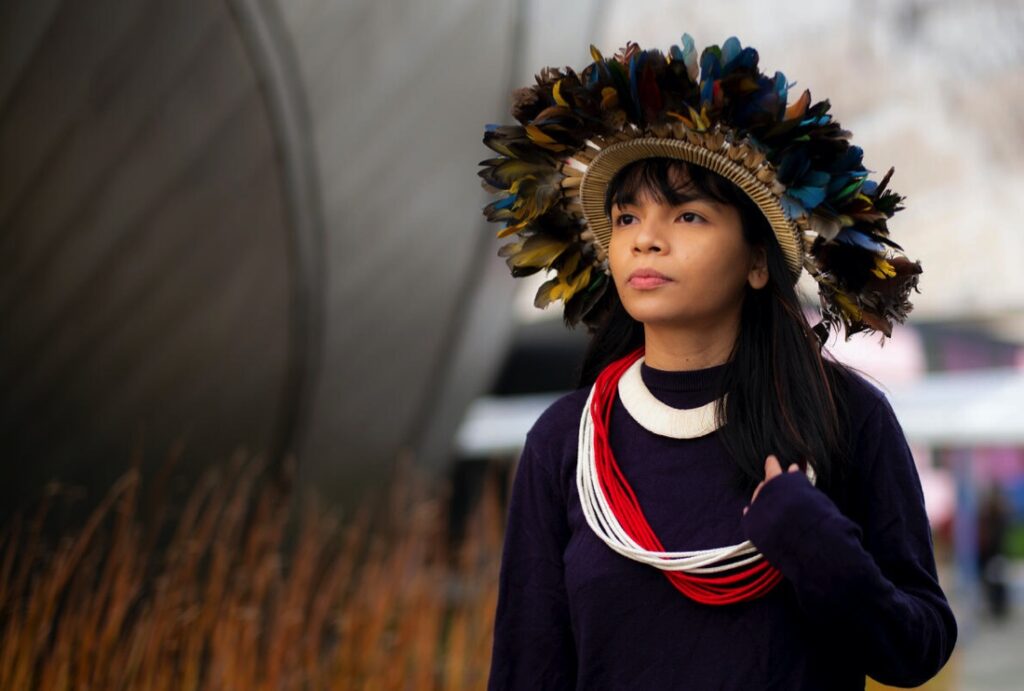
(727, 585)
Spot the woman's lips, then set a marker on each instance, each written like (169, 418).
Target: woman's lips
(647, 279)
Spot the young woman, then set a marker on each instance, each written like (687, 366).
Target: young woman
(719, 507)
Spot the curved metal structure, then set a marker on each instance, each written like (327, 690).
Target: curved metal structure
(242, 224)
(151, 292)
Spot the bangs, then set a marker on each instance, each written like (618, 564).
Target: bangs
(669, 181)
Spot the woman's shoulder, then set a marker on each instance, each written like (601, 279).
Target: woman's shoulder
(863, 397)
(553, 441)
(873, 428)
(560, 420)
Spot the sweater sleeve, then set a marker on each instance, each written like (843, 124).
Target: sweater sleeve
(876, 579)
(533, 644)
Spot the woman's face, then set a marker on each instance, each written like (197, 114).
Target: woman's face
(682, 266)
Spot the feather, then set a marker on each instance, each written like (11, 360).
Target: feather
(883, 269)
(566, 282)
(730, 50)
(809, 189)
(609, 98)
(503, 173)
(647, 90)
(514, 143)
(781, 90)
(526, 103)
(690, 57)
(852, 236)
(538, 251)
(825, 225)
(798, 109)
(710, 64)
(541, 138)
(580, 305)
(556, 93)
(510, 248)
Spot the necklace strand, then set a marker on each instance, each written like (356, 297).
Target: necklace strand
(659, 418)
(718, 576)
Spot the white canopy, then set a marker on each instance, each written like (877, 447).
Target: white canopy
(977, 408)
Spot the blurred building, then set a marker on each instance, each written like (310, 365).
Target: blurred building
(256, 224)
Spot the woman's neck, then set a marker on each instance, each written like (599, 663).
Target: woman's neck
(674, 349)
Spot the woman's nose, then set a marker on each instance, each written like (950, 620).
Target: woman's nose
(648, 238)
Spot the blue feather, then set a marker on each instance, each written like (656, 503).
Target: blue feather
(818, 120)
(730, 49)
(690, 55)
(746, 60)
(782, 93)
(809, 188)
(851, 236)
(707, 89)
(634, 79)
(505, 203)
(840, 183)
(792, 208)
(710, 64)
(810, 197)
(689, 47)
(781, 87)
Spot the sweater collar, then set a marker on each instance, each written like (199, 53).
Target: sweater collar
(705, 380)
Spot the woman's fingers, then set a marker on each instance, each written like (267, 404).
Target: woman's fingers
(754, 495)
(772, 468)
(756, 490)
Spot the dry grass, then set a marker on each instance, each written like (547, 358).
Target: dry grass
(241, 594)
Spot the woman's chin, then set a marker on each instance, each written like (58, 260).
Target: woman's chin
(661, 318)
(676, 320)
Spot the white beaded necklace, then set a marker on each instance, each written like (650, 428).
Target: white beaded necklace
(658, 418)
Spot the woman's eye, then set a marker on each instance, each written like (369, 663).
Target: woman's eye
(624, 220)
(691, 217)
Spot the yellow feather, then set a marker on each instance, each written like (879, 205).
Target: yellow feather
(538, 137)
(556, 92)
(883, 269)
(848, 306)
(580, 282)
(609, 98)
(510, 230)
(514, 187)
(540, 251)
(700, 121)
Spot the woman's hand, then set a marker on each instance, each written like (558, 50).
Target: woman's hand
(772, 469)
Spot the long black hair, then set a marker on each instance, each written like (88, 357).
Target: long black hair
(784, 397)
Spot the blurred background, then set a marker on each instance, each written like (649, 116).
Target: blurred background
(255, 224)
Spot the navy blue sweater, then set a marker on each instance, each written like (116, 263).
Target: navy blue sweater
(859, 595)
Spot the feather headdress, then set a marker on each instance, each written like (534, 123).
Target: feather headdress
(721, 112)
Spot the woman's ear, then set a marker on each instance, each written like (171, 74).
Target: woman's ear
(758, 275)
